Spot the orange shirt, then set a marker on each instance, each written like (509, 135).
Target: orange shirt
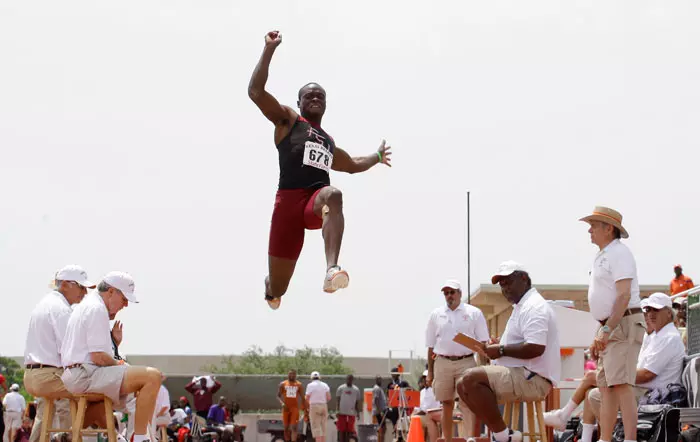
(681, 284)
(290, 391)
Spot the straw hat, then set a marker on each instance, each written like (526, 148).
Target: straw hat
(608, 216)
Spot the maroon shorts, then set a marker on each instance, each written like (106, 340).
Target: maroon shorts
(293, 214)
(345, 424)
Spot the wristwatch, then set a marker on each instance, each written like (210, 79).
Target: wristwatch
(502, 350)
(605, 329)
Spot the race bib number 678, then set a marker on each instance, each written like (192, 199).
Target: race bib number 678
(316, 155)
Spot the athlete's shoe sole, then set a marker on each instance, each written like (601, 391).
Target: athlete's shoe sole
(274, 303)
(339, 280)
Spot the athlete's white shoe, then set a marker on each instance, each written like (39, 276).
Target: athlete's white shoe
(336, 279)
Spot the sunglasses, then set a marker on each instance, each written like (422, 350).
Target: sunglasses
(449, 292)
(651, 309)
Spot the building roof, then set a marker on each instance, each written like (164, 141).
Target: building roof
(489, 299)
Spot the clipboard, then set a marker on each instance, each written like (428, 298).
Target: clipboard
(468, 342)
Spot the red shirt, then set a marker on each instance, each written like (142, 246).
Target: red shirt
(203, 397)
(681, 284)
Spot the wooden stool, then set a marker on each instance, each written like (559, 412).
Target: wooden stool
(512, 409)
(79, 420)
(48, 418)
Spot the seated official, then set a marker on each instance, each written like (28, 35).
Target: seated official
(525, 365)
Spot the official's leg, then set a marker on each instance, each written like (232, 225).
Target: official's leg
(146, 381)
(628, 407)
(474, 390)
(609, 405)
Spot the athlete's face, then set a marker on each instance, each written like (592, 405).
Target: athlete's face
(312, 102)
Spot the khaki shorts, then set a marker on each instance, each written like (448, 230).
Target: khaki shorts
(318, 418)
(512, 384)
(617, 365)
(13, 420)
(89, 378)
(45, 382)
(446, 375)
(594, 398)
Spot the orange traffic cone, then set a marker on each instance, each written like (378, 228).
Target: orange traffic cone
(415, 431)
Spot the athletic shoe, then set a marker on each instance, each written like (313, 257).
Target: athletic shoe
(336, 279)
(274, 303)
(515, 436)
(555, 419)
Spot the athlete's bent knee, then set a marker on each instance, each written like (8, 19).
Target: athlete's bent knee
(334, 199)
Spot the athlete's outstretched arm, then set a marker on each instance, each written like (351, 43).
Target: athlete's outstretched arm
(342, 162)
(268, 104)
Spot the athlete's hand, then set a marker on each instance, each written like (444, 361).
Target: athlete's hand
(385, 152)
(273, 39)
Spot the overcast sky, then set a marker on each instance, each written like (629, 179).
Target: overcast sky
(129, 143)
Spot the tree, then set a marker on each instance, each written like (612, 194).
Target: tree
(326, 360)
(14, 374)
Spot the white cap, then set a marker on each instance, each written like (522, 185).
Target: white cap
(74, 273)
(657, 301)
(123, 282)
(506, 269)
(452, 284)
(315, 375)
(425, 373)
(14, 387)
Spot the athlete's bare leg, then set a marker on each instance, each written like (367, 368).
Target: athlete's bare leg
(333, 222)
(280, 271)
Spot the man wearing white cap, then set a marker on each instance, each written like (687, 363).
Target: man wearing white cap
(42, 350)
(447, 360)
(14, 405)
(87, 353)
(613, 298)
(525, 364)
(318, 393)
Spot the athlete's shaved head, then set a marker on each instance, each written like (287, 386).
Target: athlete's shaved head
(310, 86)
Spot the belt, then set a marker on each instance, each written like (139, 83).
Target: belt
(629, 311)
(32, 366)
(72, 366)
(455, 358)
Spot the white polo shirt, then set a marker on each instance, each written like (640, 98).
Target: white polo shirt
(533, 321)
(47, 326)
(428, 401)
(445, 323)
(87, 332)
(614, 263)
(662, 355)
(14, 401)
(317, 392)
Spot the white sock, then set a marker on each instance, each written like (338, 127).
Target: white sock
(568, 409)
(501, 436)
(140, 437)
(587, 435)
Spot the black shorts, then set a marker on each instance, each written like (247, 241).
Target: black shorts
(393, 415)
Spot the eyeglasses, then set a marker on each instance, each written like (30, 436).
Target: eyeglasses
(449, 292)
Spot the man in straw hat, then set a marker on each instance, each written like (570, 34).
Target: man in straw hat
(42, 351)
(88, 361)
(613, 298)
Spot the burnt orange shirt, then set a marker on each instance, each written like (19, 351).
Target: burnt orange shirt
(290, 391)
(681, 284)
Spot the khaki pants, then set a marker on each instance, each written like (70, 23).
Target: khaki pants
(318, 418)
(446, 375)
(617, 365)
(46, 383)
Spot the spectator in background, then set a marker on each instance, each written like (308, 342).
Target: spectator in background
(396, 384)
(203, 390)
(3, 384)
(590, 364)
(217, 413)
(681, 282)
(14, 405)
(161, 414)
(185, 405)
(348, 408)
(318, 393)
(430, 410)
(379, 408)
